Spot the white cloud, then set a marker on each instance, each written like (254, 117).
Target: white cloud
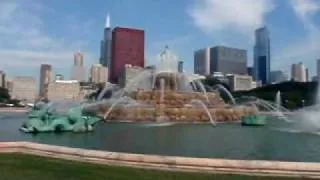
(238, 15)
(306, 49)
(24, 41)
(305, 10)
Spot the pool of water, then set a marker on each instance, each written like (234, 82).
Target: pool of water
(223, 141)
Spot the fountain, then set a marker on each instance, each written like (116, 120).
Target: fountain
(161, 95)
(165, 95)
(223, 89)
(59, 116)
(278, 99)
(306, 120)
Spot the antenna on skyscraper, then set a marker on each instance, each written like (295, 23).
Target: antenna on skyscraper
(108, 21)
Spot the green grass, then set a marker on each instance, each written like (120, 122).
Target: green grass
(27, 167)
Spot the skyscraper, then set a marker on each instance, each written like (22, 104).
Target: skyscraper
(250, 71)
(223, 59)
(78, 71)
(78, 59)
(318, 69)
(105, 44)
(261, 60)
(24, 88)
(45, 79)
(228, 60)
(59, 77)
(299, 72)
(2, 79)
(202, 61)
(180, 66)
(278, 77)
(98, 73)
(127, 48)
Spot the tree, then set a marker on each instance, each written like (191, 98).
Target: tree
(212, 81)
(4, 94)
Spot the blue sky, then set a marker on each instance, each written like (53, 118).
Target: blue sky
(45, 31)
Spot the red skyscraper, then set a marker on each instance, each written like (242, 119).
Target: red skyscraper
(127, 48)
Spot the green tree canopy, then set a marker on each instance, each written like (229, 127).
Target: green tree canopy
(4, 94)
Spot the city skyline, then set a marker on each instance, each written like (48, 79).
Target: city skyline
(40, 40)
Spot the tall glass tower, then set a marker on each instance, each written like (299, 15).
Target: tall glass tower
(105, 45)
(262, 55)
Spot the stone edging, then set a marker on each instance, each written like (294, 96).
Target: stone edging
(251, 167)
(13, 109)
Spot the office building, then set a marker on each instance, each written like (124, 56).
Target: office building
(180, 66)
(45, 79)
(106, 44)
(64, 90)
(78, 59)
(127, 48)
(128, 73)
(228, 60)
(9, 86)
(262, 55)
(278, 77)
(98, 73)
(87, 89)
(318, 69)
(59, 77)
(299, 72)
(78, 71)
(202, 61)
(250, 71)
(254, 85)
(2, 79)
(220, 77)
(314, 79)
(24, 88)
(240, 82)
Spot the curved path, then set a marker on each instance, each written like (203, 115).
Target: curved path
(173, 163)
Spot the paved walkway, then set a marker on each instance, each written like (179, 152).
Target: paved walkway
(172, 163)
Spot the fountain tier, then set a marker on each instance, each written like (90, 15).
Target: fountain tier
(168, 104)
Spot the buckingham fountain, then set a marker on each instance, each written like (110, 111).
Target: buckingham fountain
(163, 95)
(164, 112)
(156, 95)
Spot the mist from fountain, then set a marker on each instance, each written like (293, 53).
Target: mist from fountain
(193, 86)
(128, 102)
(162, 84)
(199, 102)
(274, 109)
(278, 99)
(306, 120)
(225, 90)
(167, 61)
(141, 77)
(203, 89)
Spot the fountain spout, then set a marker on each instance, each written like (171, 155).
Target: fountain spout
(278, 99)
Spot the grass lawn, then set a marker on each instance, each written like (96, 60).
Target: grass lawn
(26, 167)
